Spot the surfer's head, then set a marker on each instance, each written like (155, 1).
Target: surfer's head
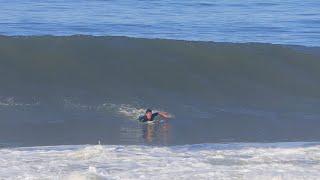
(149, 114)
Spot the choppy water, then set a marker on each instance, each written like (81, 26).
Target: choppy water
(275, 21)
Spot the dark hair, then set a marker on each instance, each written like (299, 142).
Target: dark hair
(148, 110)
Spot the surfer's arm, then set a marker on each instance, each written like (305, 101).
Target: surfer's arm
(141, 119)
(164, 115)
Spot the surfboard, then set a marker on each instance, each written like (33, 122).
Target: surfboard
(155, 120)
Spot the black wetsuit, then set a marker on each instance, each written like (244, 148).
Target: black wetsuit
(144, 118)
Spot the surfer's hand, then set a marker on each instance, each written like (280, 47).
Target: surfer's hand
(164, 115)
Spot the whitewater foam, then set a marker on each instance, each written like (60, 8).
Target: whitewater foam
(13, 102)
(127, 110)
(200, 161)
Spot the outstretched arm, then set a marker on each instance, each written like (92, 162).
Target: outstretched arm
(164, 115)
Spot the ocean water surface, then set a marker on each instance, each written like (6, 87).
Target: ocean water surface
(239, 78)
(275, 21)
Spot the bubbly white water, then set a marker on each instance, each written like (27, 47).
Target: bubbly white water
(128, 111)
(12, 102)
(201, 161)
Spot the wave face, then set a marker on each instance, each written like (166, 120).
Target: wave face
(78, 89)
(201, 161)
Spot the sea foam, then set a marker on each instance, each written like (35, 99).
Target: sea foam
(199, 161)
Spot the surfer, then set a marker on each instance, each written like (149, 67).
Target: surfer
(149, 116)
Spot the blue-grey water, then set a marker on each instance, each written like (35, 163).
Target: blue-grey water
(239, 110)
(274, 21)
(82, 89)
(66, 89)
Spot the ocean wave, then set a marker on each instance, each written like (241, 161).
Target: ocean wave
(100, 84)
(123, 69)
